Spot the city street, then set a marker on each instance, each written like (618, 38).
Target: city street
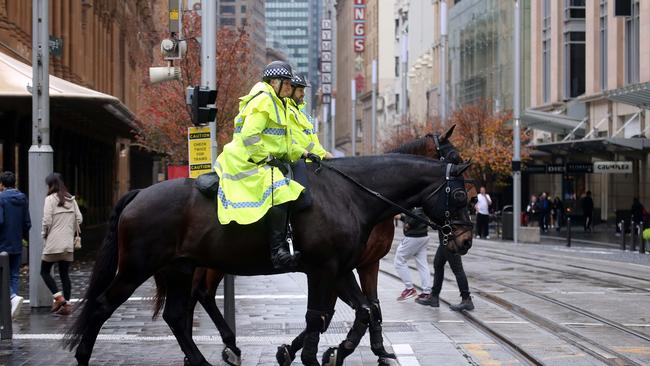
(535, 304)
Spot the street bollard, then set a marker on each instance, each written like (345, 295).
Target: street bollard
(623, 234)
(6, 331)
(642, 244)
(568, 226)
(633, 235)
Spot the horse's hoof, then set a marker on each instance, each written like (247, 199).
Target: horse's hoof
(230, 357)
(329, 357)
(388, 360)
(283, 356)
(187, 362)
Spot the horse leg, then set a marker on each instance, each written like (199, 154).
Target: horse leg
(122, 286)
(368, 278)
(320, 308)
(206, 282)
(348, 289)
(177, 314)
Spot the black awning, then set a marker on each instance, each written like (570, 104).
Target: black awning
(637, 95)
(600, 146)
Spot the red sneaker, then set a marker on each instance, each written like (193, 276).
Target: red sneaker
(407, 294)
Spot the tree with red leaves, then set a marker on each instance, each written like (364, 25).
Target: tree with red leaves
(164, 117)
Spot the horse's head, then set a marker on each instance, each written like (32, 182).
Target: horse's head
(446, 205)
(439, 146)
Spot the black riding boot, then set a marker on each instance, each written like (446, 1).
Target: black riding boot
(466, 304)
(276, 224)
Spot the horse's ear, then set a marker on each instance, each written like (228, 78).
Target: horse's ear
(450, 131)
(458, 169)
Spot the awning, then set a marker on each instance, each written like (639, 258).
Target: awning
(637, 95)
(551, 122)
(67, 97)
(597, 146)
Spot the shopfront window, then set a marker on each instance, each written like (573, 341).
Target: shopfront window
(632, 45)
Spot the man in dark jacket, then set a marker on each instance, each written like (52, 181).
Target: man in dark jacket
(587, 210)
(14, 227)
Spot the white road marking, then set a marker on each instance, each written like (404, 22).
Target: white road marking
(637, 325)
(584, 324)
(405, 355)
(505, 322)
(451, 321)
(220, 297)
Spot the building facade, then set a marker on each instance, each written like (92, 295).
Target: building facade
(249, 14)
(91, 133)
(590, 70)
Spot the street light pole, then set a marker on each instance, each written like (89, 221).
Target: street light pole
(209, 81)
(333, 125)
(41, 161)
(374, 107)
(443, 62)
(404, 61)
(353, 132)
(516, 156)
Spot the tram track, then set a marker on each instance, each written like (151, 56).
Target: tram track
(572, 337)
(516, 350)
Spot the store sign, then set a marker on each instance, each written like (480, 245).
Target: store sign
(579, 168)
(200, 151)
(555, 169)
(534, 169)
(613, 167)
(359, 25)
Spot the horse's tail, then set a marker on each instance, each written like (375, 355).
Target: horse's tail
(102, 275)
(161, 294)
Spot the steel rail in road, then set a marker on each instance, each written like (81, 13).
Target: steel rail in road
(573, 274)
(516, 350)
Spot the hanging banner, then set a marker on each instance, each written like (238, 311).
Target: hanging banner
(200, 151)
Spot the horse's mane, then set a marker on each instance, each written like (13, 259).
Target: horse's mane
(412, 147)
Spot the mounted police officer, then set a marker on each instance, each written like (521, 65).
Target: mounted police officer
(304, 133)
(251, 167)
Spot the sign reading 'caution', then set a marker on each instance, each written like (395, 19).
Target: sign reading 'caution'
(200, 150)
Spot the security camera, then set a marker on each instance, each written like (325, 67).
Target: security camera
(164, 73)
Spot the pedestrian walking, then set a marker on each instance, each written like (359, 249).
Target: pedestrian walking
(587, 210)
(544, 211)
(483, 202)
(14, 227)
(456, 263)
(414, 245)
(558, 212)
(638, 211)
(61, 221)
(532, 211)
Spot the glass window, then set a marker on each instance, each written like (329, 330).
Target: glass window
(227, 21)
(574, 48)
(243, 9)
(396, 66)
(632, 45)
(227, 9)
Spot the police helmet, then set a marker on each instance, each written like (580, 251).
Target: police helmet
(277, 70)
(299, 81)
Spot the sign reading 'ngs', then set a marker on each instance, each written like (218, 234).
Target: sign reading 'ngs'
(359, 25)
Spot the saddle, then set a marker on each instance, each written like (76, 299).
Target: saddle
(208, 185)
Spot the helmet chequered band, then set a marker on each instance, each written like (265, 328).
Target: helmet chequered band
(277, 72)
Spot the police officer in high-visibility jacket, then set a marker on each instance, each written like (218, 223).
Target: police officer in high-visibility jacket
(250, 168)
(304, 133)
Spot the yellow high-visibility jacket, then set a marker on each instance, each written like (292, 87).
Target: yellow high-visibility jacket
(304, 134)
(248, 187)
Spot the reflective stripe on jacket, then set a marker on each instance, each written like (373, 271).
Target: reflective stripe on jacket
(247, 186)
(304, 134)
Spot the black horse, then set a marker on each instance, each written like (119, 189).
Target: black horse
(172, 225)
(367, 310)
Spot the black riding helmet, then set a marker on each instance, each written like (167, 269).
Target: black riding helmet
(277, 70)
(299, 81)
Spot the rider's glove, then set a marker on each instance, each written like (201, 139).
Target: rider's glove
(272, 161)
(314, 158)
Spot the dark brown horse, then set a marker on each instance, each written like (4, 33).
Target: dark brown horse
(206, 281)
(171, 225)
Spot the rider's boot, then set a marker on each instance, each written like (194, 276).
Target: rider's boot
(276, 222)
(466, 304)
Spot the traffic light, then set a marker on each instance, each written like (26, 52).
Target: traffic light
(204, 109)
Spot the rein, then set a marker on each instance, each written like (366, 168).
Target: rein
(443, 228)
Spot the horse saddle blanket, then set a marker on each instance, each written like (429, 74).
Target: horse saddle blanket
(208, 184)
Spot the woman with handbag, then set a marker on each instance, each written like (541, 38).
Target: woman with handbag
(61, 220)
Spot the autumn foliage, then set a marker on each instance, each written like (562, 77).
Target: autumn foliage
(486, 138)
(165, 116)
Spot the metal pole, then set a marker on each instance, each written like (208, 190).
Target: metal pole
(353, 132)
(209, 80)
(623, 234)
(642, 245)
(443, 62)
(404, 61)
(333, 129)
(568, 238)
(6, 330)
(40, 153)
(326, 127)
(374, 106)
(516, 156)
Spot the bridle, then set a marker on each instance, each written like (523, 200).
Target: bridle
(445, 229)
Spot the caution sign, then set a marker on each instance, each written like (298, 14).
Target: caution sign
(200, 150)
